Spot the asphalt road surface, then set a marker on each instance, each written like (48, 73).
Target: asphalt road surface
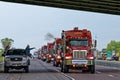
(102, 73)
(40, 70)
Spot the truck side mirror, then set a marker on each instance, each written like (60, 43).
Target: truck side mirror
(3, 55)
(95, 43)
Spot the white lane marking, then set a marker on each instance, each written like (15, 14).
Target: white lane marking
(98, 72)
(65, 75)
(110, 75)
(68, 76)
(57, 70)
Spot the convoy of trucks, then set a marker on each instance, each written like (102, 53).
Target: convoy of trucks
(43, 52)
(49, 52)
(74, 50)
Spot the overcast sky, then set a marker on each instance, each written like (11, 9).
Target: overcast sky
(28, 24)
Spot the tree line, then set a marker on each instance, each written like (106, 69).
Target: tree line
(113, 46)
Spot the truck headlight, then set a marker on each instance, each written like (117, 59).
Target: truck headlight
(90, 58)
(24, 59)
(58, 57)
(7, 59)
(68, 57)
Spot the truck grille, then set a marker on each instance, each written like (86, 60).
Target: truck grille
(79, 54)
(16, 59)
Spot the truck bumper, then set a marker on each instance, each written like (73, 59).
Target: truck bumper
(79, 63)
(16, 64)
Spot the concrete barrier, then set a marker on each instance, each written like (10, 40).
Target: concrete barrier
(108, 63)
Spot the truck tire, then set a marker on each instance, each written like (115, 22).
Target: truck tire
(57, 64)
(84, 71)
(6, 69)
(61, 67)
(26, 69)
(28, 62)
(65, 68)
(92, 69)
(53, 63)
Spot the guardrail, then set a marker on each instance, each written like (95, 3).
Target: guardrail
(108, 63)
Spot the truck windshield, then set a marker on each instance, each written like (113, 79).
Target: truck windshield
(45, 51)
(16, 52)
(78, 42)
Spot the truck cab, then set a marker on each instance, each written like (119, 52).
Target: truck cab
(77, 50)
(57, 52)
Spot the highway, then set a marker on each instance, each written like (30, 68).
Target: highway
(40, 70)
(102, 73)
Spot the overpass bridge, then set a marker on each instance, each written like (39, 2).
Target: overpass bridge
(100, 6)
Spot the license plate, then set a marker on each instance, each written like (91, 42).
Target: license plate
(15, 65)
(79, 61)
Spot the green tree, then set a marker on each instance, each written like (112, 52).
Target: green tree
(6, 43)
(1, 50)
(113, 45)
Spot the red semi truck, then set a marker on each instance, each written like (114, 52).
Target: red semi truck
(49, 52)
(57, 52)
(44, 52)
(39, 53)
(77, 50)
